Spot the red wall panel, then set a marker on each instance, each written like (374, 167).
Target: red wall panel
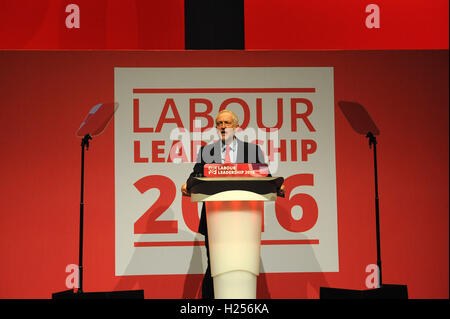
(137, 24)
(44, 96)
(335, 24)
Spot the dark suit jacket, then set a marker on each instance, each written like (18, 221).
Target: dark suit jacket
(211, 153)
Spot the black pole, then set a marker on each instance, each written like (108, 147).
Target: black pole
(373, 141)
(84, 143)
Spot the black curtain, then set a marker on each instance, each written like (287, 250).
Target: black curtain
(214, 24)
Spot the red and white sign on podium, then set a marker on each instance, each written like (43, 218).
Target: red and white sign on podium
(234, 208)
(236, 170)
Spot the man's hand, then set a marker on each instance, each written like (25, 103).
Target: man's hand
(184, 190)
(281, 191)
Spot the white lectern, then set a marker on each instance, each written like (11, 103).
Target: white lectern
(234, 208)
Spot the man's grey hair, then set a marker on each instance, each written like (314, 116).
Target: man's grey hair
(235, 118)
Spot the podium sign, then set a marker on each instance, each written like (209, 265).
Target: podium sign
(236, 170)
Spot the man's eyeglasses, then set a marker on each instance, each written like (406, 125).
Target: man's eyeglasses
(224, 123)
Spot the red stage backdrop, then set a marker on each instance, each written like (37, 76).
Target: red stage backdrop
(45, 96)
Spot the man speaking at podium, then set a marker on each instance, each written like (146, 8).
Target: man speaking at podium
(228, 150)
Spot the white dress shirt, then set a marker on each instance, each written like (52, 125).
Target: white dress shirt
(233, 151)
